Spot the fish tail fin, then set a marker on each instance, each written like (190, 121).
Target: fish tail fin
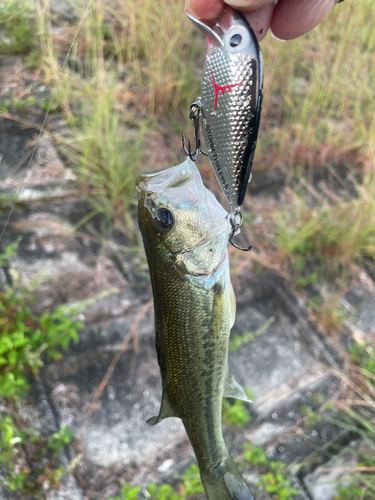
(229, 485)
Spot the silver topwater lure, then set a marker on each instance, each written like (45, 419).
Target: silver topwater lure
(230, 104)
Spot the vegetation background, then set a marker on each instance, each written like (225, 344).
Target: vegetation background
(120, 76)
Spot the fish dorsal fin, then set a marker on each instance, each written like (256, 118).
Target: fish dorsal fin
(232, 389)
(166, 411)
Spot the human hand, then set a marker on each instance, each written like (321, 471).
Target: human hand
(287, 19)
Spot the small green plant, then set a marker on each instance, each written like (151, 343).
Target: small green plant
(247, 337)
(361, 477)
(363, 355)
(27, 340)
(272, 474)
(328, 315)
(25, 474)
(276, 483)
(190, 485)
(18, 26)
(317, 398)
(311, 416)
(235, 413)
(304, 281)
(128, 493)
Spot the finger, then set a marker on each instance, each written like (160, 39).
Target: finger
(260, 20)
(245, 5)
(293, 18)
(208, 9)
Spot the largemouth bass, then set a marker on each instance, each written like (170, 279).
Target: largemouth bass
(185, 233)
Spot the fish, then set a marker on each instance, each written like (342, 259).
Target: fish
(185, 233)
(231, 100)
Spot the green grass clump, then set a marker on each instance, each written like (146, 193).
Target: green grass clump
(189, 486)
(235, 413)
(361, 478)
(273, 475)
(248, 337)
(105, 153)
(27, 340)
(17, 26)
(343, 233)
(363, 355)
(322, 85)
(31, 458)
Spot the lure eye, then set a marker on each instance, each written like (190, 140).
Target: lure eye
(235, 40)
(163, 219)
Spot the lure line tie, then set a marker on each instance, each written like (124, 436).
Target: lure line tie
(236, 219)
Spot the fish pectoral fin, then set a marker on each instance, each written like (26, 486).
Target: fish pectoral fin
(232, 389)
(232, 306)
(166, 411)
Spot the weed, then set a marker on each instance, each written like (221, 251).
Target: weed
(317, 115)
(328, 315)
(338, 234)
(17, 23)
(107, 160)
(317, 398)
(26, 340)
(235, 413)
(190, 485)
(362, 479)
(363, 355)
(311, 416)
(276, 483)
(272, 474)
(304, 281)
(247, 337)
(31, 476)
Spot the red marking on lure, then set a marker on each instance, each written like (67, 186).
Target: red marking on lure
(222, 88)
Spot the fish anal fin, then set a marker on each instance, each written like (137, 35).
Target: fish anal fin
(232, 389)
(166, 411)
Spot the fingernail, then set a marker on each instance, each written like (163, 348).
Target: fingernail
(275, 37)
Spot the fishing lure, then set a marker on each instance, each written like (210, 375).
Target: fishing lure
(230, 104)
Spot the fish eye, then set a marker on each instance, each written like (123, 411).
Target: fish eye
(163, 219)
(235, 40)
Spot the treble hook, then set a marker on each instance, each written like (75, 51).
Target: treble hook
(195, 111)
(235, 219)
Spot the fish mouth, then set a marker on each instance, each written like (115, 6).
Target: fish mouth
(174, 177)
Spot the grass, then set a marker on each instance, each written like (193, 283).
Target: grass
(189, 486)
(322, 105)
(17, 27)
(273, 475)
(30, 458)
(344, 232)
